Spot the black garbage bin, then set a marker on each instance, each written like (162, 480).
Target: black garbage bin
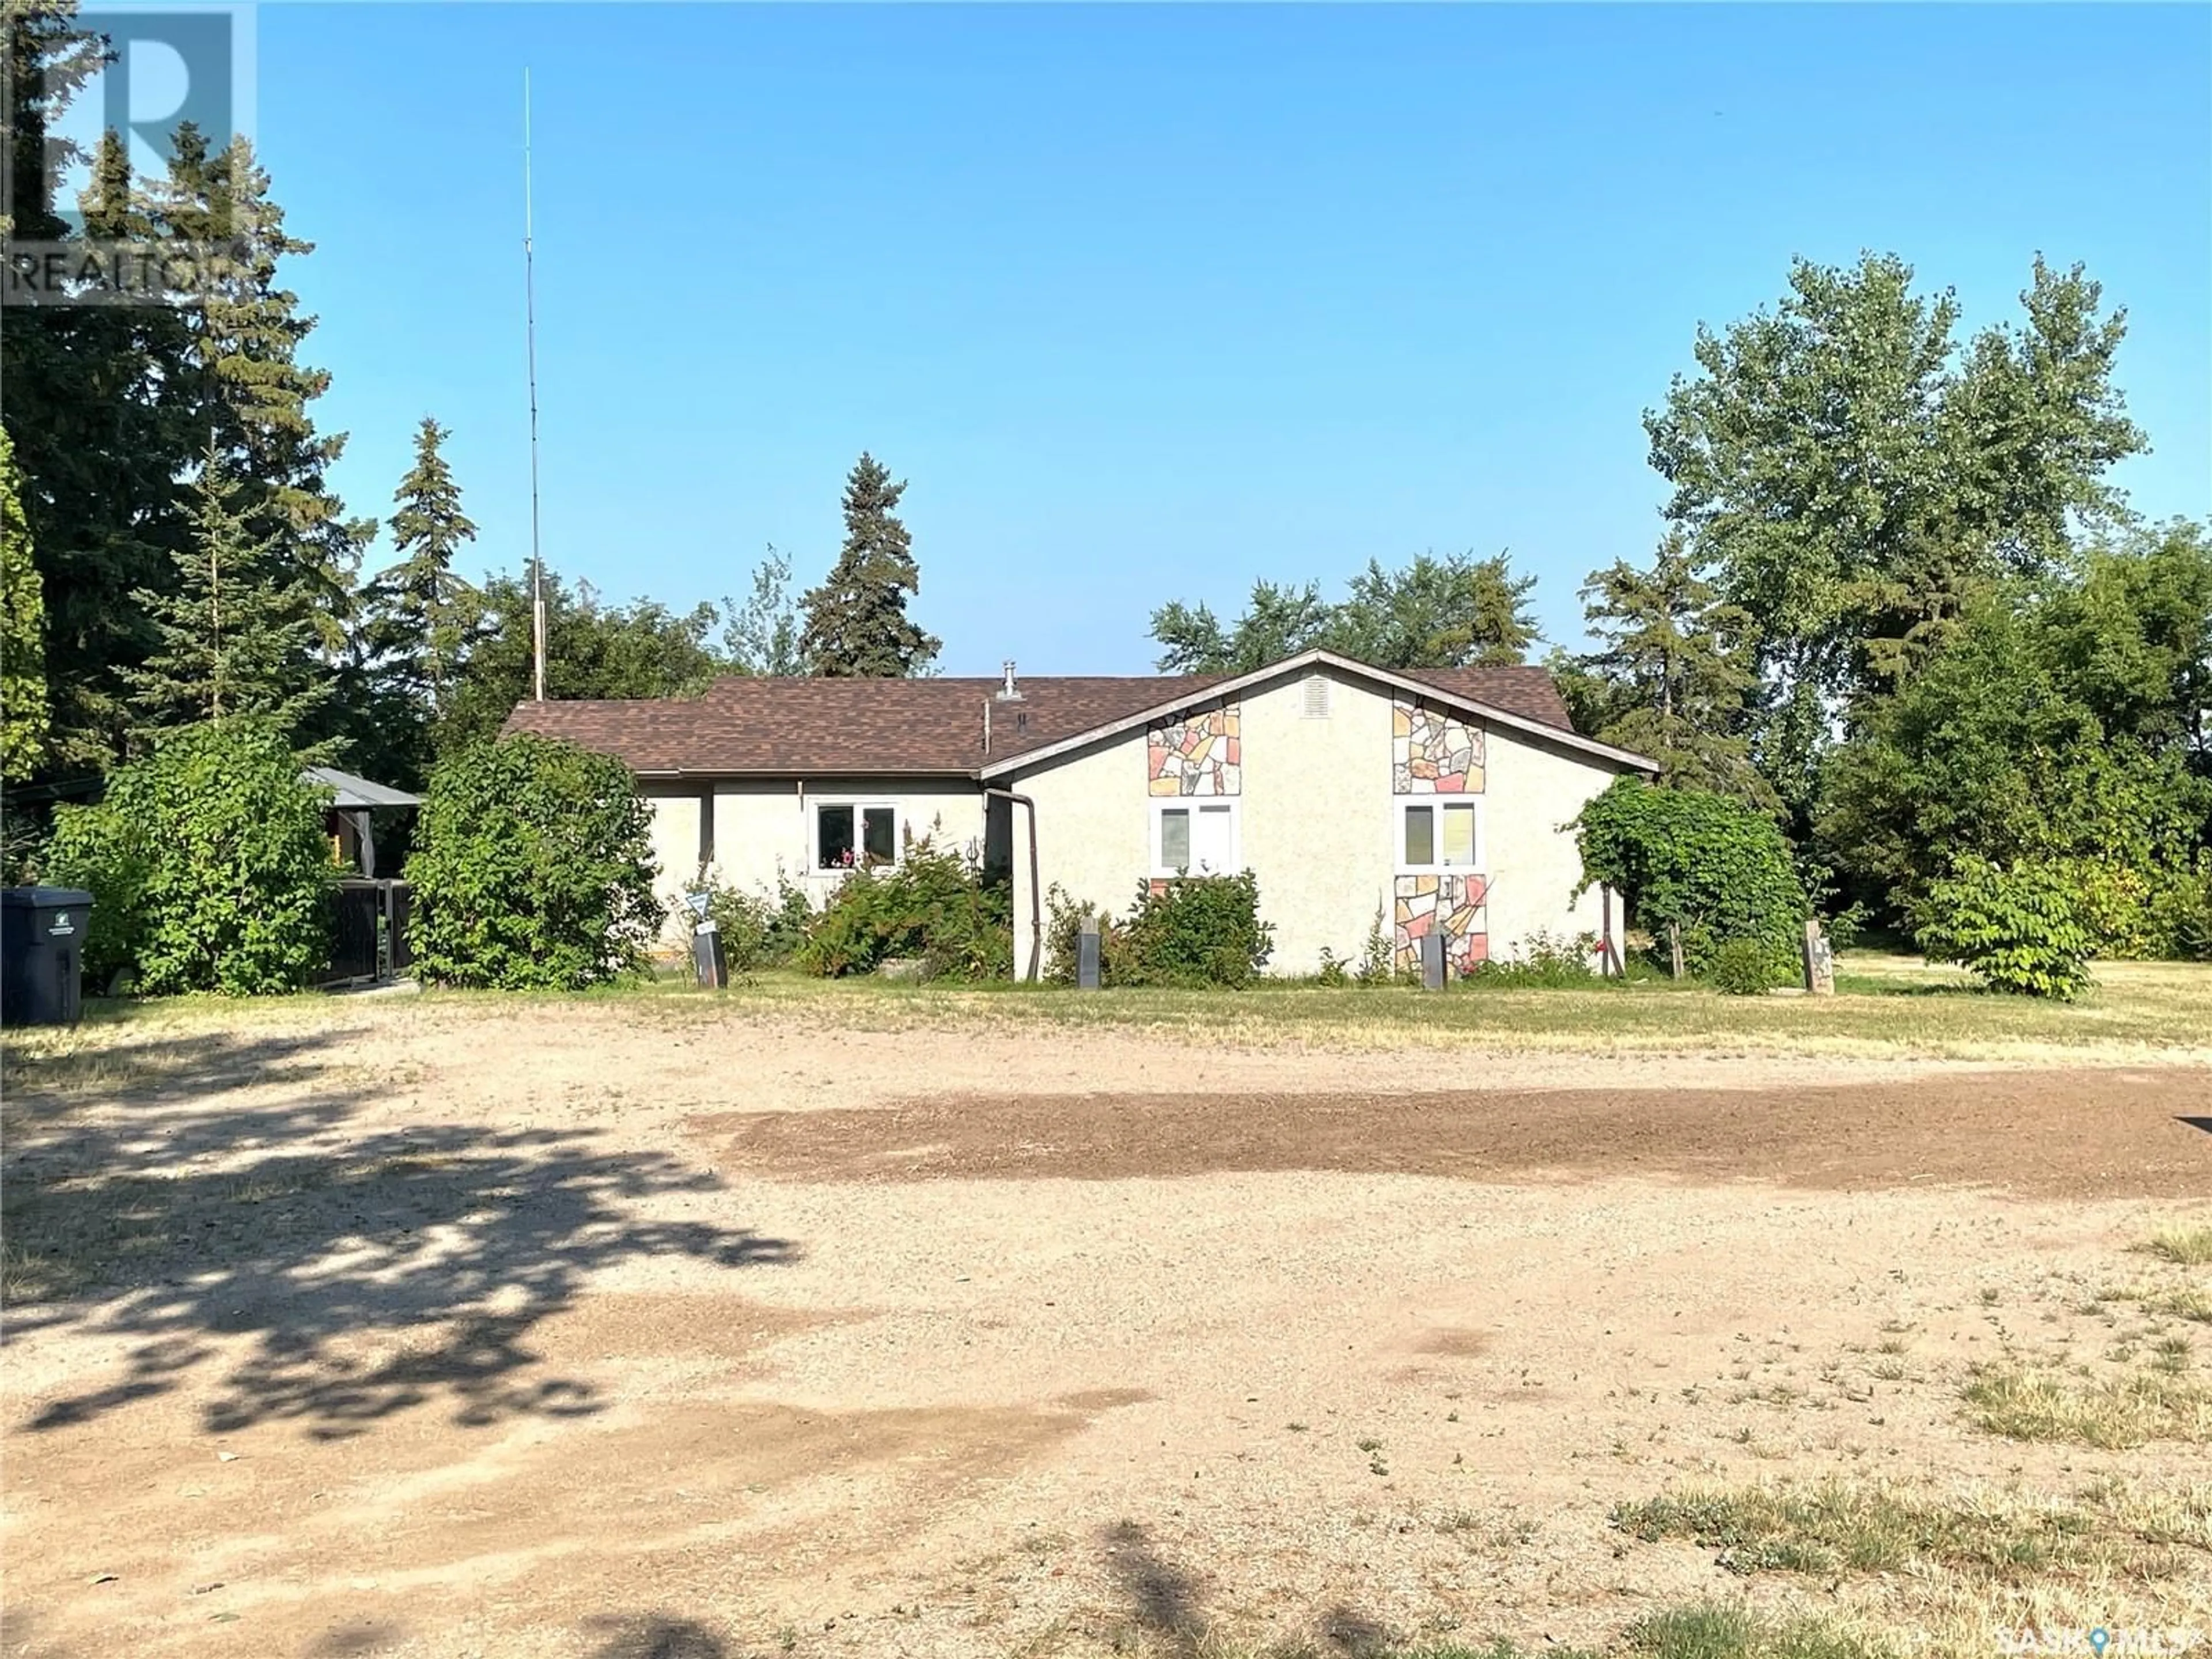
(42, 954)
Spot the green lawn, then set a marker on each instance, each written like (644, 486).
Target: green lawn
(1885, 1005)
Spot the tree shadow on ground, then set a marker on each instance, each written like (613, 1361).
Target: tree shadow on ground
(1166, 1602)
(655, 1636)
(365, 1273)
(1162, 1597)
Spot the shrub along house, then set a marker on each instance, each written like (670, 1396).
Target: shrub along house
(1433, 798)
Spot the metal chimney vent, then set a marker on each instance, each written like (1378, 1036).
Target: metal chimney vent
(1008, 692)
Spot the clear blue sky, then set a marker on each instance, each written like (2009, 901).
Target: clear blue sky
(1149, 300)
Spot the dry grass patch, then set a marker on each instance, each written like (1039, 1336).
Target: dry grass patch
(1887, 1006)
(1701, 1630)
(1836, 1529)
(2029, 1402)
(2185, 1247)
(31, 1275)
(2189, 1304)
(1718, 1630)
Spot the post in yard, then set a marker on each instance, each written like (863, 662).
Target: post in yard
(1432, 960)
(1819, 962)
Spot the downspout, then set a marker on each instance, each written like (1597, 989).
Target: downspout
(1036, 897)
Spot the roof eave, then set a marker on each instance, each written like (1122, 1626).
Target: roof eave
(1625, 759)
(802, 774)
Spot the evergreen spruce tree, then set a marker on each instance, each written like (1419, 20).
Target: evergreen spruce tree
(23, 710)
(236, 629)
(1677, 672)
(419, 614)
(250, 398)
(90, 405)
(856, 623)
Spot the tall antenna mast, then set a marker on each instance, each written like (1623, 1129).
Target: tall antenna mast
(530, 330)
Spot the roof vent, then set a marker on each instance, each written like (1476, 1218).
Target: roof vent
(1007, 692)
(1316, 703)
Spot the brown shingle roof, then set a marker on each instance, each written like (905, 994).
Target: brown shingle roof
(821, 726)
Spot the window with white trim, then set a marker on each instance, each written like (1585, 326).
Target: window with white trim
(1439, 834)
(848, 833)
(1195, 836)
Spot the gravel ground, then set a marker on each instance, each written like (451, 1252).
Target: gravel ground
(421, 1328)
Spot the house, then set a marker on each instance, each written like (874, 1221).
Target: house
(1432, 798)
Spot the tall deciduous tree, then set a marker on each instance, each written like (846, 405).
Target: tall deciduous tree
(236, 628)
(592, 649)
(1676, 670)
(23, 710)
(1434, 612)
(2060, 721)
(1854, 481)
(856, 622)
(1278, 621)
(1457, 611)
(762, 634)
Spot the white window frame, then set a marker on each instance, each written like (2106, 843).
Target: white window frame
(817, 804)
(1195, 804)
(1436, 803)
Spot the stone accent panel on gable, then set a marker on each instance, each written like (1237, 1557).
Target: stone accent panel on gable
(1197, 753)
(1451, 904)
(1433, 753)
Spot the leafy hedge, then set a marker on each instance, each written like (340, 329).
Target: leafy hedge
(1707, 863)
(932, 907)
(1543, 961)
(1189, 931)
(208, 865)
(533, 869)
(1741, 968)
(757, 930)
(2019, 929)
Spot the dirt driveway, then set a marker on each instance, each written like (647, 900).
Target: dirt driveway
(424, 1328)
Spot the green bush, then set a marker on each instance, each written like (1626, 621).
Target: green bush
(2181, 913)
(1064, 920)
(1542, 961)
(2193, 931)
(757, 930)
(533, 869)
(100, 850)
(1193, 931)
(208, 865)
(1741, 968)
(1707, 863)
(2017, 929)
(930, 906)
(1188, 931)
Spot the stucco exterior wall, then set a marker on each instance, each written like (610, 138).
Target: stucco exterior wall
(1318, 817)
(1533, 788)
(764, 827)
(676, 812)
(1317, 823)
(1093, 831)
